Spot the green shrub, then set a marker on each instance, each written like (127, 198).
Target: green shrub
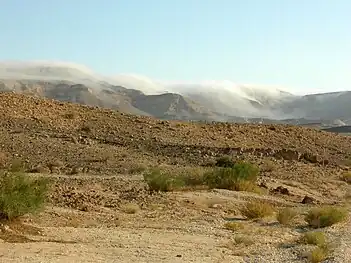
(258, 209)
(286, 215)
(314, 238)
(20, 194)
(192, 176)
(325, 216)
(232, 178)
(158, 180)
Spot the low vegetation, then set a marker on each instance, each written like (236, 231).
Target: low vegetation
(21, 194)
(286, 215)
(314, 238)
(322, 249)
(257, 209)
(318, 254)
(325, 216)
(159, 180)
(240, 176)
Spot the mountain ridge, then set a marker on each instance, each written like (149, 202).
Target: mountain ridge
(214, 100)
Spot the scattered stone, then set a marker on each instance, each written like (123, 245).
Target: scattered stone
(282, 190)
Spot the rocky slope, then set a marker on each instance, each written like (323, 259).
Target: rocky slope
(34, 120)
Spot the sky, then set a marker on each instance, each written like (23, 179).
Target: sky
(301, 45)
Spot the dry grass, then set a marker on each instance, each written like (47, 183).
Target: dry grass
(285, 216)
(257, 209)
(318, 254)
(314, 238)
(325, 216)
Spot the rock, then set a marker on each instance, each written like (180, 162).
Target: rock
(287, 155)
(40, 169)
(309, 157)
(76, 170)
(263, 185)
(281, 190)
(216, 206)
(308, 200)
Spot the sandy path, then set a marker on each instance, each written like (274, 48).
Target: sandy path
(342, 253)
(119, 245)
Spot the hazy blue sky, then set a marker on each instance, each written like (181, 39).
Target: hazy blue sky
(304, 45)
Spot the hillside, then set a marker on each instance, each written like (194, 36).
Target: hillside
(100, 208)
(33, 116)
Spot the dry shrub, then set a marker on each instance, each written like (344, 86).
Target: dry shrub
(318, 254)
(286, 215)
(314, 238)
(258, 209)
(325, 216)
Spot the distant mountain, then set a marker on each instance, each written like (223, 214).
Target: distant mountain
(165, 106)
(340, 129)
(213, 100)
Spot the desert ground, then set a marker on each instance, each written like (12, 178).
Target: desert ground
(100, 208)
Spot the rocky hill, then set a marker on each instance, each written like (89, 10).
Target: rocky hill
(40, 122)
